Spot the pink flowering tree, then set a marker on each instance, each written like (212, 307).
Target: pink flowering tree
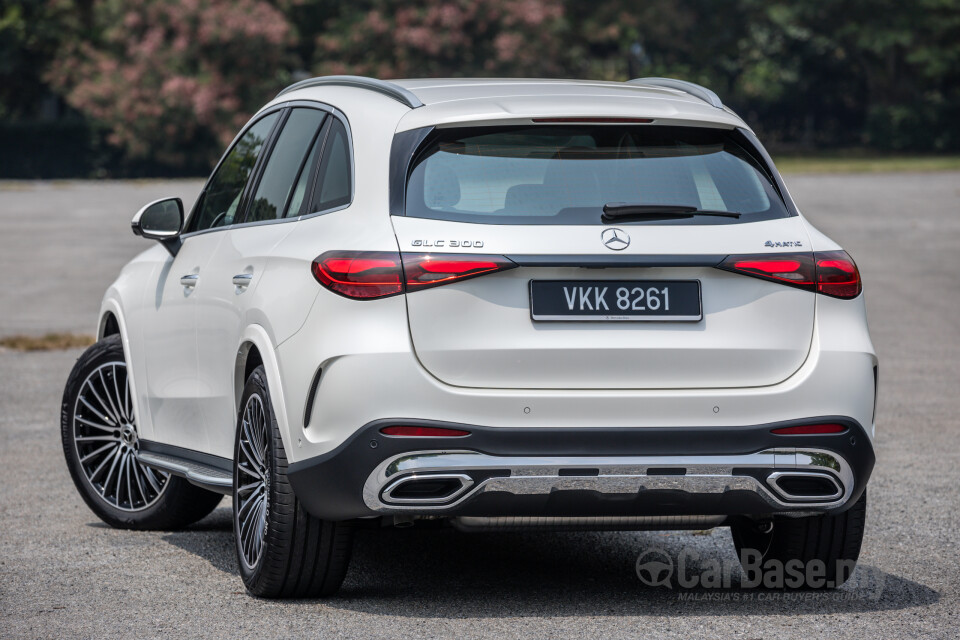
(391, 39)
(172, 80)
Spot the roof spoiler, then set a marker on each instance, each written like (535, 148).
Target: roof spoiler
(695, 90)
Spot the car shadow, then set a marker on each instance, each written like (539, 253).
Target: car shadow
(210, 539)
(443, 573)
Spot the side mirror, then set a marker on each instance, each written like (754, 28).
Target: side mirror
(160, 220)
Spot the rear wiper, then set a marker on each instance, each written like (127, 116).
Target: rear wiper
(618, 211)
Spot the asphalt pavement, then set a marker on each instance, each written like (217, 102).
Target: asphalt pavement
(65, 574)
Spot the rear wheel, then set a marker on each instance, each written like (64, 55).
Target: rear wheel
(283, 551)
(813, 552)
(98, 428)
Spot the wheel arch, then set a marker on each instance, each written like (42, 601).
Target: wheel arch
(109, 325)
(113, 322)
(256, 349)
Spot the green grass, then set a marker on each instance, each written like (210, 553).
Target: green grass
(841, 163)
(48, 342)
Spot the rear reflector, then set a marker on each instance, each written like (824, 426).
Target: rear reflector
(366, 275)
(831, 273)
(809, 429)
(424, 432)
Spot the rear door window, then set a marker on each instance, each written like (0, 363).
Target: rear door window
(286, 164)
(565, 174)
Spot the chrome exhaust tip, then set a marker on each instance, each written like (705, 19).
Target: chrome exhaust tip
(434, 488)
(805, 486)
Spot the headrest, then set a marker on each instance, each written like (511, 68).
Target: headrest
(441, 186)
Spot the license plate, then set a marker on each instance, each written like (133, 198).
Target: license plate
(616, 300)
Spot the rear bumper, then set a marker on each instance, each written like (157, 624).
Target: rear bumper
(591, 472)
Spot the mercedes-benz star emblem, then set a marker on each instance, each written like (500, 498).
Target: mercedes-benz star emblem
(615, 239)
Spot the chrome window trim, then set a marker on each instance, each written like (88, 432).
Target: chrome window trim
(310, 104)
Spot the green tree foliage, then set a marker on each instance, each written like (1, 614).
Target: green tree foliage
(30, 32)
(172, 80)
(391, 39)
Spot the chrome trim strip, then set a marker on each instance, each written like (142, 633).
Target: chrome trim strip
(532, 475)
(588, 523)
(291, 104)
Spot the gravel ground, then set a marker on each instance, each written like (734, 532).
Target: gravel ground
(64, 574)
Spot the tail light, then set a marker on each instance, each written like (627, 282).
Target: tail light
(425, 270)
(832, 273)
(367, 275)
(360, 274)
(837, 275)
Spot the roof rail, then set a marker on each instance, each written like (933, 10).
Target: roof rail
(388, 89)
(691, 88)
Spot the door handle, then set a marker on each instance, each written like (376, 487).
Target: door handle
(190, 280)
(242, 279)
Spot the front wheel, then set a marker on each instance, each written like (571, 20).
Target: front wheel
(98, 427)
(283, 551)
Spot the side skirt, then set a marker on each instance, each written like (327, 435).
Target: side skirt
(202, 469)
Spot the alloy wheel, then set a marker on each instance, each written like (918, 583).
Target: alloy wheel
(106, 440)
(253, 482)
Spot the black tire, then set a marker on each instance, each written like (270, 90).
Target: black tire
(89, 414)
(828, 541)
(299, 556)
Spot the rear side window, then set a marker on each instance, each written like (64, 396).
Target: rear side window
(285, 165)
(295, 208)
(220, 199)
(333, 187)
(565, 174)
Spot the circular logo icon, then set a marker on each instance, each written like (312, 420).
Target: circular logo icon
(615, 239)
(655, 568)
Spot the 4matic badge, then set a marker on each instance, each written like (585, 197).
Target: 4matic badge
(771, 243)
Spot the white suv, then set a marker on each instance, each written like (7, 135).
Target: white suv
(496, 303)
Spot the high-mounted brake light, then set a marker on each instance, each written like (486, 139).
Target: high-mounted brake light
(809, 429)
(832, 273)
(592, 120)
(424, 432)
(366, 275)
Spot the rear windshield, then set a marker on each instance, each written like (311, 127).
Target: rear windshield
(560, 174)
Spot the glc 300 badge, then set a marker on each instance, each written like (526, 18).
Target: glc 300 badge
(448, 243)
